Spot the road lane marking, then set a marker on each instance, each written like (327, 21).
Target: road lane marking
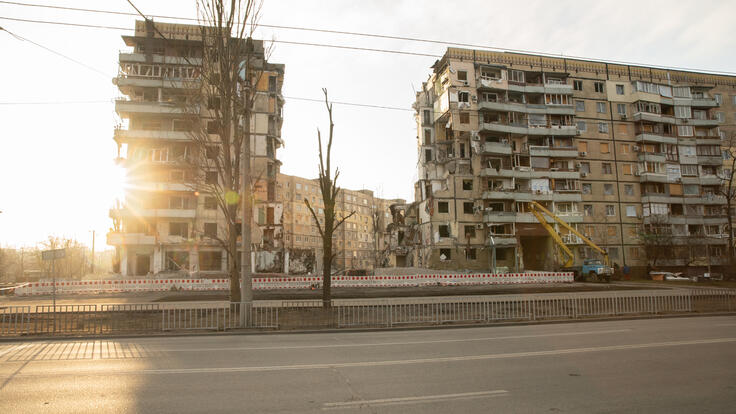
(412, 400)
(107, 371)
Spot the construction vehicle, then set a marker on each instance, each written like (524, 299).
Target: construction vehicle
(593, 270)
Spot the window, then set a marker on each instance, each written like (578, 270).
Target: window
(600, 107)
(211, 151)
(445, 255)
(464, 117)
(682, 92)
(470, 254)
(606, 168)
(427, 137)
(210, 203)
(585, 167)
(427, 155)
(612, 252)
(733, 99)
(719, 98)
(463, 97)
(691, 189)
(444, 230)
(211, 260)
(588, 210)
(213, 127)
(600, 87)
(587, 188)
(468, 208)
(685, 130)
(626, 168)
(580, 106)
(210, 177)
(629, 189)
(462, 75)
(683, 112)
(607, 189)
(427, 117)
(582, 126)
(577, 85)
(611, 230)
(178, 229)
(720, 116)
(489, 97)
(630, 211)
(210, 230)
(603, 127)
(621, 109)
(605, 148)
(689, 170)
(176, 176)
(443, 207)
(469, 231)
(610, 210)
(467, 184)
(619, 89)
(583, 146)
(517, 76)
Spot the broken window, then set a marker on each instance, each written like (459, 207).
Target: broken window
(600, 87)
(629, 189)
(179, 229)
(272, 83)
(210, 230)
(463, 97)
(607, 189)
(427, 155)
(469, 231)
(606, 168)
(210, 261)
(580, 106)
(210, 203)
(468, 208)
(462, 75)
(577, 85)
(610, 210)
(467, 185)
(443, 207)
(490, 97)
(517, 76)
(603, 127)
(427, 117)
(445, 254)
(619, 89)
(444, 230)
(587, 188)
(588, 209)
(470, 254)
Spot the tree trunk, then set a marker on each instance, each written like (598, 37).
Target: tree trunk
(232, 265)
(247, 202)
(327, 272)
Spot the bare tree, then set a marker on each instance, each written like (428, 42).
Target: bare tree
(655, 234)
(727, 189)
(330, 191)
(220, 111)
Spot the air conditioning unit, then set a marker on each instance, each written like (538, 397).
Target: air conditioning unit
(479, 227)
(623, 116)
(554, 169)
(465, 83)
(474, 98)
(583, 153)
(636, 173)
(583, 174)
(577, 132)
(637, 148)
(685, 121)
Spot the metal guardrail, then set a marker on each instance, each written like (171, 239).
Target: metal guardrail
(220, 316)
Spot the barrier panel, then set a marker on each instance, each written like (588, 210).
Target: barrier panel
(291, 282)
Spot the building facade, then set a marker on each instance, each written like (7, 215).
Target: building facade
(166, 222)
(616, 151)
(359, 243)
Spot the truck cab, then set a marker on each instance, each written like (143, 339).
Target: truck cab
(595, 270)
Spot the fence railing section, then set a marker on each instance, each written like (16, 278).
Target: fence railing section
(218, 316)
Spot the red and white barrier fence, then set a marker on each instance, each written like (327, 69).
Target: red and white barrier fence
(295, 282)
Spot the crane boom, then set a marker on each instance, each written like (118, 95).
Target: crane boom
(536, 208)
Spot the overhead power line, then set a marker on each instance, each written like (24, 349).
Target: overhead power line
(372, 35)
(21, 38)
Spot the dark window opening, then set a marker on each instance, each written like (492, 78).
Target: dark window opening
(443, 207)
(444, 230)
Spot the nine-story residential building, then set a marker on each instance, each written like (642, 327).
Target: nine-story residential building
(617, 151)
(166, 223)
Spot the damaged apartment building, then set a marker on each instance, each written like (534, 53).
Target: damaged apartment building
(605, 147)
(165, 223)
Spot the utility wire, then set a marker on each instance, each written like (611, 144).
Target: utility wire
(57, 53)
(380, 36)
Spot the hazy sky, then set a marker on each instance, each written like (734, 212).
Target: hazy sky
(57, 174)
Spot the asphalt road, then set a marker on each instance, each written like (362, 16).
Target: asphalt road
(677, 365)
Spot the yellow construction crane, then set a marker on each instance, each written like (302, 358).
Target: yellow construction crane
(566, 256)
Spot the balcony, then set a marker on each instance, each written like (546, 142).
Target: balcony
(708, 140)
(655, 198)
(502, 240)
(650, 177)
(490, 216)
(561, 88)
(557, 152)
(506, 106)
(126, 57)
(123, 81)
(699, 122)
(529, 173)
(529, 196)
(160, 212)
(647, 116)
(126, 107)
(654, 137)
(704, 103)
(124, 239)
(710, 159)
(524, 129)
(710, 180)
(127, 135)
(652, 157)
(497, 148)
